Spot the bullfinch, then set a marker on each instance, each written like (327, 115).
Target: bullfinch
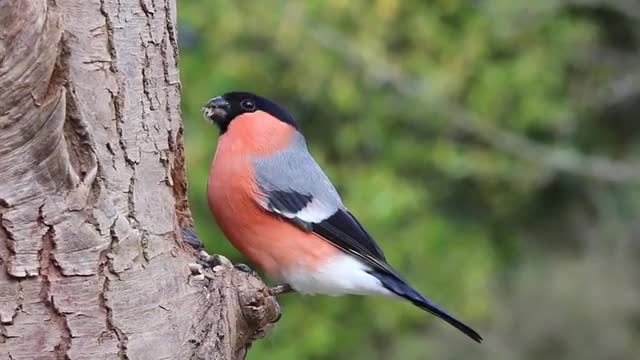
(278, 208)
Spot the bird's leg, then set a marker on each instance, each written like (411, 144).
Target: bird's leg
(276, 290)
(280, 289)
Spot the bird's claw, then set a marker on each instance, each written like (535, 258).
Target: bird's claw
(218, 259)
(217, 262)
(212, 261)
(245, 268)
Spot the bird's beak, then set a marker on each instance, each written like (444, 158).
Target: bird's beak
(217, 109)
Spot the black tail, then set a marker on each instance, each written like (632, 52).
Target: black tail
(402, 289)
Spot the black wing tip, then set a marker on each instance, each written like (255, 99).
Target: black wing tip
(462, 327)
(471, 333)
(465, 329)
(477, 338)
(397, 286)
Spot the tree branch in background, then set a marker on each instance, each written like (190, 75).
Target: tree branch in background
(380, 72)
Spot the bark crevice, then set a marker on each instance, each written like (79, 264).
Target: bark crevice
(49, 272)
(121, 337)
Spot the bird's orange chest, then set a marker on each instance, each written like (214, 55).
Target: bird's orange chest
(232, 190)
(270, 242)
(232, 200)
(232, 184)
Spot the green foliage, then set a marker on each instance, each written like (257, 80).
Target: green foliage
(378, 87)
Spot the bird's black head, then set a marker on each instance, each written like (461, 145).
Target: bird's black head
(222, 110)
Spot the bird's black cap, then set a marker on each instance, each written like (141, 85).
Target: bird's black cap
(222, 110)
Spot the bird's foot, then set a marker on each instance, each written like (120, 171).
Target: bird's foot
(280, 289)
(213, 261)
(205, 261)
(246, 269)
(243, 267)
(217, 262)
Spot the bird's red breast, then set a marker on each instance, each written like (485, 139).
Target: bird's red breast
(270, 242)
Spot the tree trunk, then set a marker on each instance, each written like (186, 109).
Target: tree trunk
(93, 193)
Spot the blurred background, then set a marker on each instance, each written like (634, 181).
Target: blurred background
(491, 147)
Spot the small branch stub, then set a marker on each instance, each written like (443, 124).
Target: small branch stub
(250, 309)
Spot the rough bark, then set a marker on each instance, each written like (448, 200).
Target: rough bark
(93, 195)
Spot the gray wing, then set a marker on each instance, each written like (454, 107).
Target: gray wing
(294, 187)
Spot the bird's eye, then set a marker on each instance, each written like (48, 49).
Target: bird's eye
(248, 105)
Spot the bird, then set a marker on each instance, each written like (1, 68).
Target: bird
(276, 206)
